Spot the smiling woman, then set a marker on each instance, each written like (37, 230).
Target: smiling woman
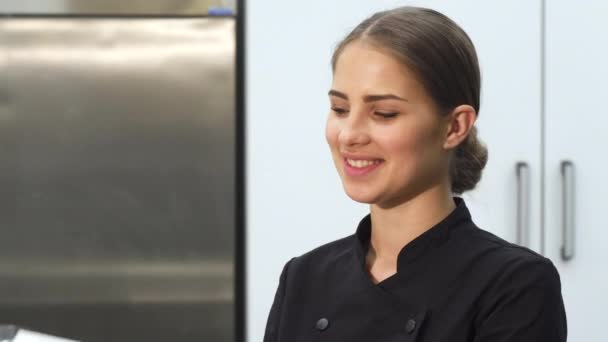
(404, 101)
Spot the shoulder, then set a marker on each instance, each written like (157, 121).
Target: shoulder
(495, 266)
(325, 254)
(521, 288)
(511, 267)
(320, 262)
(496, 250)
(507, 279)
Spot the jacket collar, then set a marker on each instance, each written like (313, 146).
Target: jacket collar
(431, 238)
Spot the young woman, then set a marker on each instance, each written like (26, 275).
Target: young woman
(404, 101)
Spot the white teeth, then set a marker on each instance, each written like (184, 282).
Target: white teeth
(362, 163)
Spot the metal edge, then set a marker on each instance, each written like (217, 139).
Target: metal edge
(543, 87)
(111, 16)
(240, 287)
(117, 8)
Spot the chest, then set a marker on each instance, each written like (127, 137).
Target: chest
(380, 315)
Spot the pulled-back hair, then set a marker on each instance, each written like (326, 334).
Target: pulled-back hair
(443, 58)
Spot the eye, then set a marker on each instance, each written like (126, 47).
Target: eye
(338, 111)
(386, 115)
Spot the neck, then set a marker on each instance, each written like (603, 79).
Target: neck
(396, 226)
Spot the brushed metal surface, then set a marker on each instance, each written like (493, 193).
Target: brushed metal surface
(113, 7)
(117, 174)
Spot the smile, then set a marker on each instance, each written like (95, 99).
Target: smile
(362, 163)
(357, 168)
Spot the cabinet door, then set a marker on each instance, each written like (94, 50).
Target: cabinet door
(576, 187)
(507, 199)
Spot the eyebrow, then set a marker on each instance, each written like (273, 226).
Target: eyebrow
(368, 98)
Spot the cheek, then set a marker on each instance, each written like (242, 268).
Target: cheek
(410, 149)
(400, 142)
(331, 132)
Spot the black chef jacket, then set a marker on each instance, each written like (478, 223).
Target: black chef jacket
(454, 283)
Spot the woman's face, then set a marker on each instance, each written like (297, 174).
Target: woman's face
(382, 116)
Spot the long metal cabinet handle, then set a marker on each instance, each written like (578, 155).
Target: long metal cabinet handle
(523, 195)
(567, 170)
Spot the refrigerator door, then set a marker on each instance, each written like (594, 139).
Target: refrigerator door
(117, 169)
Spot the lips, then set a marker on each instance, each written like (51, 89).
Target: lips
(362, 163)
(361, 168)
(355, 156)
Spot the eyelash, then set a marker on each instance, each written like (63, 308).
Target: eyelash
(340, 111)
(387, 115)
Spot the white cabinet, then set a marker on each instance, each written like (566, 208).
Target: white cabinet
(576, 118)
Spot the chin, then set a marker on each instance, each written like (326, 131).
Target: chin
(361, 196)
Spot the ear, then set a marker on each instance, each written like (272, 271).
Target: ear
(458, 125)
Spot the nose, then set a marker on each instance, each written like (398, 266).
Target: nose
(353, 130)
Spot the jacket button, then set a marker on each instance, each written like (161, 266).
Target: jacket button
(322, 324)
(410, 326)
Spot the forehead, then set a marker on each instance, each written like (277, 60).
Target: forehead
(363, 68)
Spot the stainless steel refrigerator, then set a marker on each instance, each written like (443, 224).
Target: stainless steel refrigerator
(119, 139)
